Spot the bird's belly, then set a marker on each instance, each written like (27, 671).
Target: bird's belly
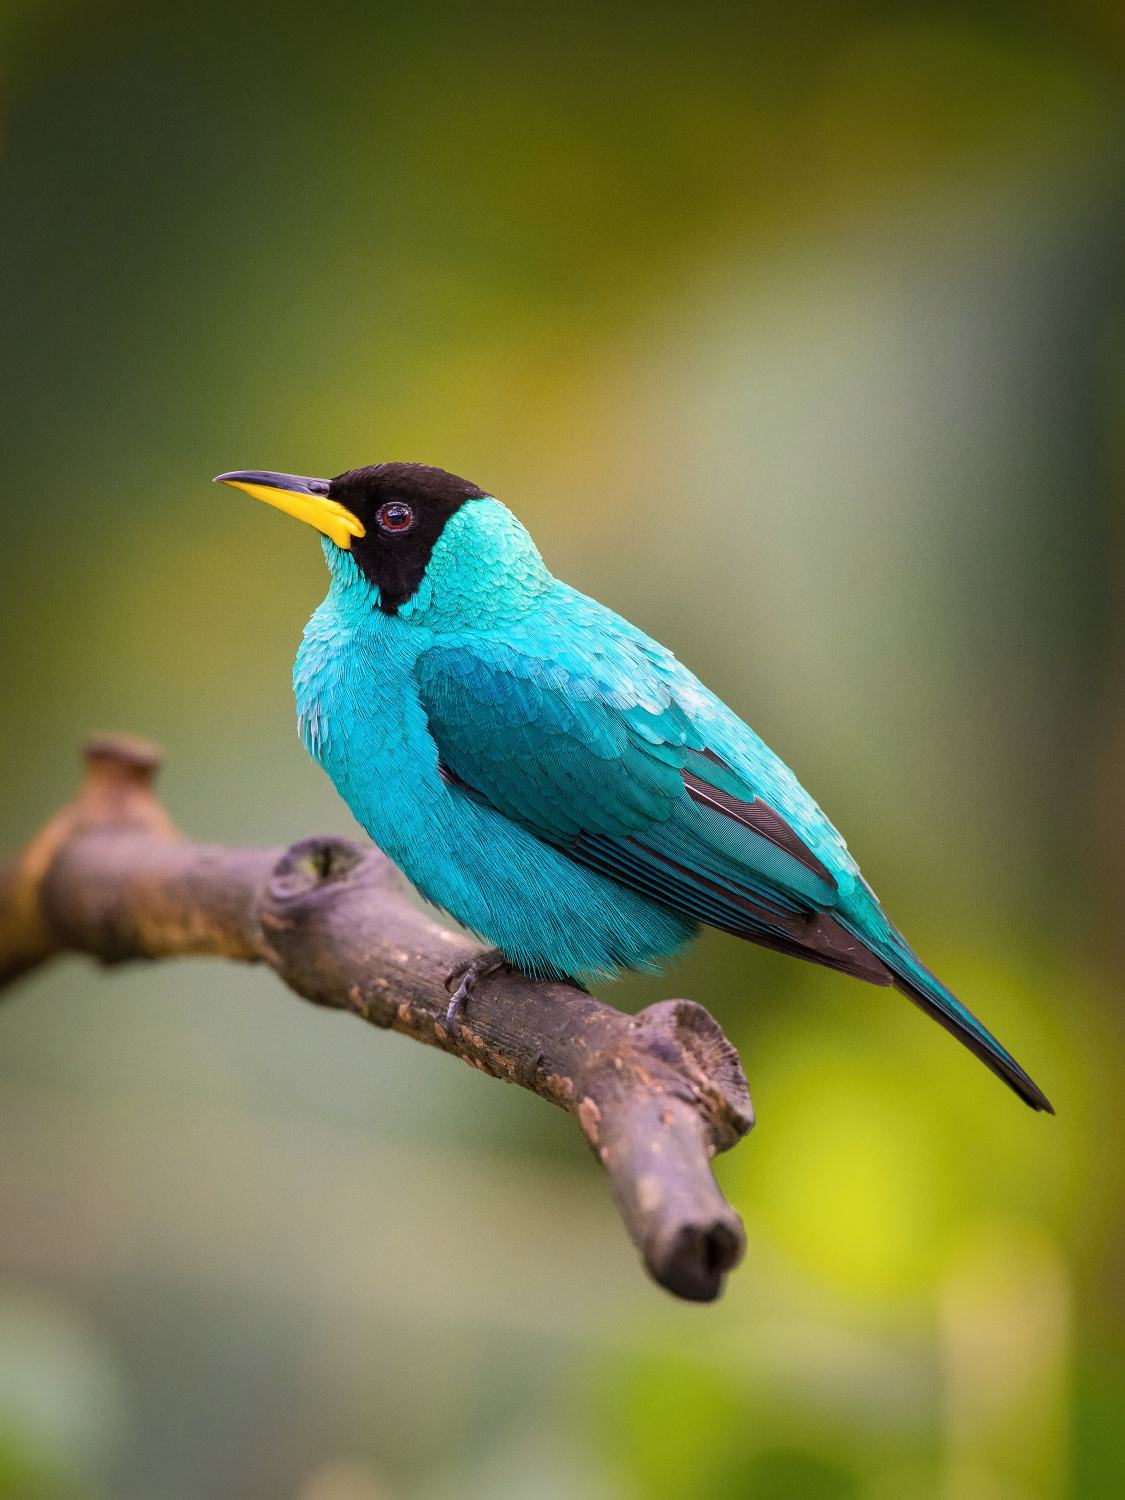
(549, 914)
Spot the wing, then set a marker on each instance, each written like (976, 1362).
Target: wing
(586, 732)
(591, 750)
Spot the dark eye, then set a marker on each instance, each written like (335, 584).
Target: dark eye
(395, 516)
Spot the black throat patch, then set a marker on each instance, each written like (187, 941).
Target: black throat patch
(392, 557)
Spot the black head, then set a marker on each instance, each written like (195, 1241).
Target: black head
(404, 508)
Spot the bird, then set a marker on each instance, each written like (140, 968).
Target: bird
(545, 772)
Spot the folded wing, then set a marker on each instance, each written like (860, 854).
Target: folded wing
(617, 775)
(605, 756)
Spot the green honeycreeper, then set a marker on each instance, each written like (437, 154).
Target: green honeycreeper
(545, 772)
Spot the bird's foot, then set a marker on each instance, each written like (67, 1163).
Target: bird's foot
(467, 976)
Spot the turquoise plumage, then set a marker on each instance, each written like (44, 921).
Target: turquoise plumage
(547, 774)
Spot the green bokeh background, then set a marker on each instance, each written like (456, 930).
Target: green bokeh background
(795, 333)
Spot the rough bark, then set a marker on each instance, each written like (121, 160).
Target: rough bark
(656, 1094)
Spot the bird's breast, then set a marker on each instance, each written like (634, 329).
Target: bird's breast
(360, 717)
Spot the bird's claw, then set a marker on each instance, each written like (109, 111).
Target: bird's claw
(469, 975)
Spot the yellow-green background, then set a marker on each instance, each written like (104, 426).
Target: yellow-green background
(797, 334)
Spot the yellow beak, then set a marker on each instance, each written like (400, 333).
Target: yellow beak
(307, 499)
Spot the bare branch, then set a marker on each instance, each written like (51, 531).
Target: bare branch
(657, 1094)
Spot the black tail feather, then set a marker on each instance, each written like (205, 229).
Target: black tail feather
(994, 1057)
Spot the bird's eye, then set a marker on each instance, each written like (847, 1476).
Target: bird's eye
(395, 517)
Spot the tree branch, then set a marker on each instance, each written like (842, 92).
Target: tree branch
(657, 1094)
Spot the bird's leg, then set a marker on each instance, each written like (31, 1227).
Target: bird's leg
(468, 975)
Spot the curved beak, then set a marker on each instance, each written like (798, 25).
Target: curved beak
(307, 499)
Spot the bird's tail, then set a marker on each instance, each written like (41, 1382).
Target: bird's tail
(916, 982)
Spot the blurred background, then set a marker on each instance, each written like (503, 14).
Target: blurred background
(796, 334)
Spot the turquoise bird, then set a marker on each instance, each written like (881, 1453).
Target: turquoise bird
(549, 775)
